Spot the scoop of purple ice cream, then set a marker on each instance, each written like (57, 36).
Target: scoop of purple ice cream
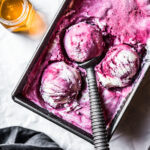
(83, 41)
(118, 67)
(60, 84)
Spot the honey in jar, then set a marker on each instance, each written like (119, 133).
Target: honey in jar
(19, 16)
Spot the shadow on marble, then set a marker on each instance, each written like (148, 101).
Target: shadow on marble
(135, 122)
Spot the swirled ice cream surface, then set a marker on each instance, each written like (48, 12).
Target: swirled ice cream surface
(121, 22)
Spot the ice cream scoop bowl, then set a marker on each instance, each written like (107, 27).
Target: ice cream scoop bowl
(84, 45)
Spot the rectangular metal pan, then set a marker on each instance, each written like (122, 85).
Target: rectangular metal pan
(19, 98)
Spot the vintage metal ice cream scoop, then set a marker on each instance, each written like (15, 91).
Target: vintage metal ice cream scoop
(83, 43)
(97, 117)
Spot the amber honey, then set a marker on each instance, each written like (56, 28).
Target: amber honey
(18, 15)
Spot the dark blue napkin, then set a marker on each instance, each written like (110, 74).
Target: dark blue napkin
(18, 138)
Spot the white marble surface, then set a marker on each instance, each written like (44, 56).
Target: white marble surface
(15, 52)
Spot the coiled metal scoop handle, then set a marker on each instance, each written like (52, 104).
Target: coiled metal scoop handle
(98, 123)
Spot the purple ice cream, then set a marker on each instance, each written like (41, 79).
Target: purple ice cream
(118, 23)
(83, 41)
(60, 84)
(119, 66)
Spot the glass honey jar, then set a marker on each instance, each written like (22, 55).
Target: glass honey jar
(16, 15)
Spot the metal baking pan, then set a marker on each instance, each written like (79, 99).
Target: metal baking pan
(19, 98)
